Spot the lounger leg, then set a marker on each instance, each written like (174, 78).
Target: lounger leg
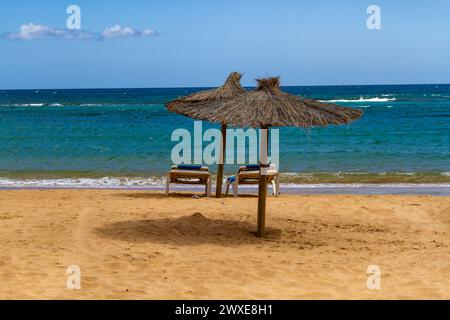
(208, 185)
(278, 185)
(226, 190)
(274, 188)
(167, 186)
(235, 189)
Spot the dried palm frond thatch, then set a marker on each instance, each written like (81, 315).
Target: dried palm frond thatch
(232, 87)
(265, 106)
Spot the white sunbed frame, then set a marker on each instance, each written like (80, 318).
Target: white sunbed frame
(244, 177)
(194, 177)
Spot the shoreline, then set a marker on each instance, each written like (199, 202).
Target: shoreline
(290, 189)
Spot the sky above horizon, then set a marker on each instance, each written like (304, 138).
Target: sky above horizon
(176, 43)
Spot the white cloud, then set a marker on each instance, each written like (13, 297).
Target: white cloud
(118, 32)
(33, 31)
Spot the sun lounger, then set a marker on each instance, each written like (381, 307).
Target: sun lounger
(250, 175)
(188, 174)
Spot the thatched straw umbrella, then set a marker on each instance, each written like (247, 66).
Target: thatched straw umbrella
(267, 106)
(231, 88)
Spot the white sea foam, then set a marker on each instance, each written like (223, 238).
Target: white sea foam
(361, 99)
(29, 105)
(32, 105)
(159, 183)
(105, 182)
(370, 106)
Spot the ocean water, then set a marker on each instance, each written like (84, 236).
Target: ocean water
(122, 137)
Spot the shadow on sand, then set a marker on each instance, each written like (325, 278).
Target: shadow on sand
(176, 195)
(187, 230)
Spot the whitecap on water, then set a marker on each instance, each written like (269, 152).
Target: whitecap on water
(361, 99)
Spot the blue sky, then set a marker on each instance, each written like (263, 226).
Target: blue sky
(322, 42)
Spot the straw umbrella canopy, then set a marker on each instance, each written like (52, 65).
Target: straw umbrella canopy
(267, 106)
(231, 88)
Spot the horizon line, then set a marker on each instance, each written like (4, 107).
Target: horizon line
(245, 86)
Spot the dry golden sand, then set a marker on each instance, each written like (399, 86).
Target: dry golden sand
(140, 244)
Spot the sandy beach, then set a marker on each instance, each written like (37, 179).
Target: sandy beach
(140, 244)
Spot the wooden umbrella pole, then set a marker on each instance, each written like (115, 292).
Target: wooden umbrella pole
(221, 161)
(262, 188)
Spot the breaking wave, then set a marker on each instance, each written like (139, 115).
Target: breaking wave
(287, 179)
(361, 99)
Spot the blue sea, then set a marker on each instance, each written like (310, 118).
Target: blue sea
(122, 137)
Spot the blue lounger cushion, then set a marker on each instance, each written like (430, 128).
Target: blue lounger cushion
(188, 167)
(232, 179)
(250, 167)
